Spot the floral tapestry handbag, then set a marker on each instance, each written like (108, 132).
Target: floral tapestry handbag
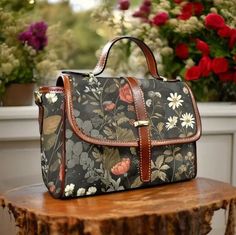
(106, 134)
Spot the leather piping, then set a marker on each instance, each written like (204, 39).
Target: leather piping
(119, 143)
(151, 62)
(55, 89)
(143, 131)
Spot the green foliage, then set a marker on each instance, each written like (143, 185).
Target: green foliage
(72, 41)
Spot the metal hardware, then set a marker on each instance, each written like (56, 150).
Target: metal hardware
(38, 97)
(141, 123)
(164, 79)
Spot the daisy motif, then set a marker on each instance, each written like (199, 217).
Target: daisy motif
(171, 122)
(188, 120)
(51, 97)
(69, 189)
(175, 100)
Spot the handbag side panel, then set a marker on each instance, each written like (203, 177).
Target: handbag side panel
(52, 139)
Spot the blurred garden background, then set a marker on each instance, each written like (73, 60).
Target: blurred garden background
(191, 40)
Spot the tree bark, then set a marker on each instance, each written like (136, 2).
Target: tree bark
(184, 208)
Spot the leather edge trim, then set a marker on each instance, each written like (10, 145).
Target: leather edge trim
(46, 89)
(92, 140)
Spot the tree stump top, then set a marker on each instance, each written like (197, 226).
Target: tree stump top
(180, 208)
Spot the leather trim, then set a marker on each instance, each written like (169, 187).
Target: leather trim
(144, 132)
(151, 62)
(62, 169)
(47, 89)
(119, 143)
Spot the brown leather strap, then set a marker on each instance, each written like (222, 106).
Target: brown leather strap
(151, 62)
(64, 81)
(143, 130)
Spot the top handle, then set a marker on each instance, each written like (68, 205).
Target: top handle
(151, 62)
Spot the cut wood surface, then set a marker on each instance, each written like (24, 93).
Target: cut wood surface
(181, 208)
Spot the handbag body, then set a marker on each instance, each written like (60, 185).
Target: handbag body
(107, 134)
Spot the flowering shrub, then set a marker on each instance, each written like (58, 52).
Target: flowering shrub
(25, 54)
(35, 36)
(194, 40)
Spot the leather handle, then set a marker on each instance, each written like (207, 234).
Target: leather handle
(151, 62)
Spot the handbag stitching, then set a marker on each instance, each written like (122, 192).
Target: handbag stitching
(121, 143)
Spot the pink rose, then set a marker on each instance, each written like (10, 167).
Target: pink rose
(125, 94)
(121, 167)
(109, 106)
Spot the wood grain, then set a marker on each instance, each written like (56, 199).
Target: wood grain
(182, 208)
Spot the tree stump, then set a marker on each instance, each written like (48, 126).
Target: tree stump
(184, 208)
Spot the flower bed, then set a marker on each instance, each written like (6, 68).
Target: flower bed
(193, 40)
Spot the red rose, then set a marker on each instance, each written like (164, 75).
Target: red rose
(125, 94)
(178, 1)
(144, 10)
(224, 32)
(219, 65)
(232, 39)
(202, 46)
(189, 9)
(226, 77)
(197, 8)
(234, 76)
(214, 21)
(160, 18)
(185, 16)
(193, 73)
(205, 66)
(123, 5)
(182, 51)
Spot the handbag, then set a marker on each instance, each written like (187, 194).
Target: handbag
(107, 134)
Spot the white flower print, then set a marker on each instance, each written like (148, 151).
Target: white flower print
(51, 97)
(185, 90)
(69, 189)
(158, 94)
(148, 102)
(80, 191)
(188, 120)
(91, 190)
(171, 122)
(175, 100)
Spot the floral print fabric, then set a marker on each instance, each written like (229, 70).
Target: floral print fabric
(104, 109)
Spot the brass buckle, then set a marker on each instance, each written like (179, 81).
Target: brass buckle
(141, 123)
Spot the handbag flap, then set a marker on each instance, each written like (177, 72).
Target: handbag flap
(101, 110)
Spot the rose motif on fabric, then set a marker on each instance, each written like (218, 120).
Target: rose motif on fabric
(125, 94)
(121, 167)
(109, 106)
